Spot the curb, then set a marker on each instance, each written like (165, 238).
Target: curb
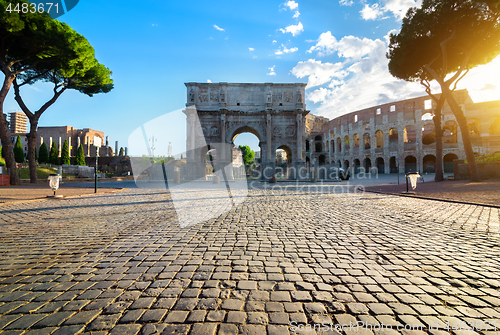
(14, 202)
(435, 199)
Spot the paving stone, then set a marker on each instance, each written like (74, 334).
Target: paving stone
(215, 316)
(131, 329)
(176, 329)
(103, 322)
(53, 320)
(82, 318)
(228, 329)
(176, 316)
(236, 317)
(257, 318)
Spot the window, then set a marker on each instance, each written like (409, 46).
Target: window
(428, 104)
(393, 108)
(355, 118)
(379, 111)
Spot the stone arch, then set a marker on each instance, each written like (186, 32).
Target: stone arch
(339, 145)
(450, 131)
(332, 146)
(366, 126)
(410, 134)
(356, 165)
(379, 139)
(245, 129)
(428, 134)
(448, 162)
(308, 147)
(346, 164)
(367, 164)
(428, 116)
(322, 160)
(318, 147)
(393, 167)
(367, 141)
(410, 164)
(347, 143)
(429, 164)
(379, 163)
(355, 139)
(393, 138)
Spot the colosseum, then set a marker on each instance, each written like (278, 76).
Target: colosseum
(399, 137)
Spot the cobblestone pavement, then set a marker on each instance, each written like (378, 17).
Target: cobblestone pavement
(278, 263)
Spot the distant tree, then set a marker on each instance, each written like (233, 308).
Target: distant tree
(80, 156)
(29, 40)
(46, 50)
(43, 153)
(18, 151)
(248, 155)
(65, 160)
(442, 41)
(54, 154)
(121, 152)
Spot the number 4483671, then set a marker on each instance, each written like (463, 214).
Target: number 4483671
(32, 7)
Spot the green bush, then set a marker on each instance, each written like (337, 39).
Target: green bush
(43, 154)
(18, 151)
(487, 158)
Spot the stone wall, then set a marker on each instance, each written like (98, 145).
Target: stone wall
(486, 170)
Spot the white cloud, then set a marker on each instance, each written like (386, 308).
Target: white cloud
(209, 81)
(293, 29)
(325, 45)
(274, 41)
(397, 7)
(347, 47)
(346, 2)
(319, 73)
(271, 71)
(296, 15)
(291, 4)
(400, 7)
(360, 80)
(371, 12)
(251, 49)
(286, 50)
(218, 28)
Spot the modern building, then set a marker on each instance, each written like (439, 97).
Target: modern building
(18, 123)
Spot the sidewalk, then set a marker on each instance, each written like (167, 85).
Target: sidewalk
(27, 192)
(486, 192)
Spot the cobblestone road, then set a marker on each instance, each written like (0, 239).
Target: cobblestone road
(276, 263)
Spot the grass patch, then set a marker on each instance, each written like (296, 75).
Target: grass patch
(41, 172)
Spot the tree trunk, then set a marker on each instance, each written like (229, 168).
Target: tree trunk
(32, 149)
(439, 140)
(5, 133)
(462, 122)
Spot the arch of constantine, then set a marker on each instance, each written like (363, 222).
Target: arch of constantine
(395, 137)
(275, 113)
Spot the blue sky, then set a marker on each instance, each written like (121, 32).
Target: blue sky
(154, 47)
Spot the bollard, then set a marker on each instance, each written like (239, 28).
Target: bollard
(273, 179)
(216, 179)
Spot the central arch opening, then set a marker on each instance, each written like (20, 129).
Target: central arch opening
(246, 140)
